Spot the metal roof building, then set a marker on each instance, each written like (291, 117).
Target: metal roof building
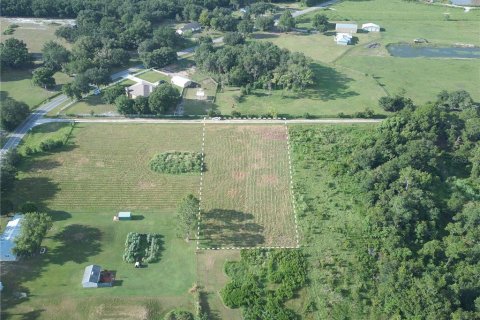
(12, 230)
(346, 27)
(181, 82)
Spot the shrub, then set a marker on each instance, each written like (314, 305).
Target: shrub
(51, 144)
(142, 247)
(179, 315)
(176, 162)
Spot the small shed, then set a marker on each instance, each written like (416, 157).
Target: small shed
(181, 82)
(7, 239)
(124, 216)
(94, 277)
(346, 28)
(192, 27)
(371, 27)
(343, 39)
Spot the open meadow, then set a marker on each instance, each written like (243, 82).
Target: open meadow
(102, 170)
(246, 198)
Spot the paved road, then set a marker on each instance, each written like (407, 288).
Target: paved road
(30, 122)
(36, 117)
(210, 121)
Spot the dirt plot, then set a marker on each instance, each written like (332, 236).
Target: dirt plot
(246, 196)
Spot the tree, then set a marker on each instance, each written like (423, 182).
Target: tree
(79, 86)
(233, 38)
(320, 22)
(9, 174)
(163, 97)
(264, 23)
(13, 113)
(140, 105)
(124, 105)
(14, 54)
(204, 18)
(394, 104)
(34, 228)
(455, 100)
(245, 26)
(187, 213)
(159, 58)
(109, 95)
(43, 77)
(54, 55)
(286, 21)
(98, 76)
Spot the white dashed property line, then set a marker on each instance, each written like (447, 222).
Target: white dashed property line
(201, 186)
(291, 185)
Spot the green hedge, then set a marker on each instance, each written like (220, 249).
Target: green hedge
(176, 162)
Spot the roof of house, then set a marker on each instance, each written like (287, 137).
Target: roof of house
(346, 26)
(180, 81)
(343, 37)
(12, 230)
(92, 274)
(191, 25)
(366, 25)
(140, 89)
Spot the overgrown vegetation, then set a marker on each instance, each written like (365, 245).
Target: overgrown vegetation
(392, 215)
(176, 162)
(38, 141)
(34, 227)
(187, 212)
(143, 247)
(262, 281)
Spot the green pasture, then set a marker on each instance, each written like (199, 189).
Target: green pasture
(153, 76)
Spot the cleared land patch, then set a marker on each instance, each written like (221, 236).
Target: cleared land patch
(246, 198)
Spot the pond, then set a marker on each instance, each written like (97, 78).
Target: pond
(413, 51)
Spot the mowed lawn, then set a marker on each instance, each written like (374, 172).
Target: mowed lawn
(246, 195)
(103, 170)
(153, 76)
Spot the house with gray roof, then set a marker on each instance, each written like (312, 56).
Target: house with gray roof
(346, 28)
(192, 27)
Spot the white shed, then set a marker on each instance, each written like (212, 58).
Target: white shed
(181, 82)
(12, 230)
(343, 38)
(371, 27)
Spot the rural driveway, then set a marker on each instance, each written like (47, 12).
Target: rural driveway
(315, 7)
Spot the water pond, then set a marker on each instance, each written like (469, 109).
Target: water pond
(414, 51)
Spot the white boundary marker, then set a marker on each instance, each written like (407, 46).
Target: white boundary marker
(199, 216)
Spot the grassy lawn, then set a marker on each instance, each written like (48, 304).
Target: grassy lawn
(336, 90)
(48, 131)
(17, 84)
(34, 35)
(246, 197)
(103, 170)
(154, 76)
(89, 104)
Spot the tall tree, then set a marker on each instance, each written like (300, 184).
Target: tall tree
(159, 57)
(187, 213)
(43, 77)
(13, 113)
(320, 22)
(286, 21)
(14, 54)
(34, 227)
(54, 55)
(164, 97)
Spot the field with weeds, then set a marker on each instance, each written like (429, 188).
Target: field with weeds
(246, 198)
(102, 170)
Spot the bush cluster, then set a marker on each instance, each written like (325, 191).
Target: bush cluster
(176, 162)
(144, 247)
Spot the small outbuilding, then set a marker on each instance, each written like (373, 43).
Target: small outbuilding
(343, 39)
(7, 239)
(371, 27)
(189, 27)
(124, 216)
(346, 28)
(141, 89)
(181, 82)
(95, 277)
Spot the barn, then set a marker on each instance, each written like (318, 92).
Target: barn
(371, 27)
(95, 277)
(12, 230)
(181, 82)
(346, 28)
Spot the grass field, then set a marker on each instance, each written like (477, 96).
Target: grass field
(17, 84)
(48, 131)
(103, 170)
(246, 198)
(89, 104)
(153, 76)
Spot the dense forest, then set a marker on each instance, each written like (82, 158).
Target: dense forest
(391, 215)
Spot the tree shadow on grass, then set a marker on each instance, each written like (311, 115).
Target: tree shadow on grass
(222, 228)
(35, 189)
(203, 301)
(77, 243)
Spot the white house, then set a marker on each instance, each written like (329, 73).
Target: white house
(371, 27)
(343, 38)
(346, 28)
(181, 82)
(141, 89)
(192, 27)
(12, 230)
